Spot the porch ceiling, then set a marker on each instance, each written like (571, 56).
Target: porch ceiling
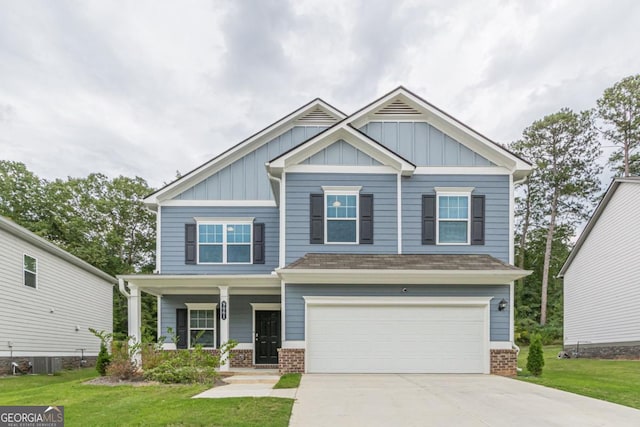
(204, 284)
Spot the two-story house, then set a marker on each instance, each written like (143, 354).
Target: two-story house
(381, 241)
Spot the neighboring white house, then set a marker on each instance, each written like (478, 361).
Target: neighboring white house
(602, 278)
(49, 300)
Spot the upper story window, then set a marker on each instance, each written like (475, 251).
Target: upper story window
(453, 215)
(342, 218)
(228, 242)
(30, 268)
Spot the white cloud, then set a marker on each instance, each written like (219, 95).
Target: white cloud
(148, 88)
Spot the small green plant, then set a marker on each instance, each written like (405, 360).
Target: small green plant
(535, 360)
(123, 364)
(103, 360)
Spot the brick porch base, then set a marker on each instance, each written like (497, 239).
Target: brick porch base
(504, 362)
(291, 360)
(241, 358)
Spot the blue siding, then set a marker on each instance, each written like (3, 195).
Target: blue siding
(246, 178)
(494, 187)
(240, 313)
(300, 185)
(172, 228)
(341, 153)
(294, 303)
(423, 144)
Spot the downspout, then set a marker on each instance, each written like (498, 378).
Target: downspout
(281, 246)
(122, 288)
(513, 342)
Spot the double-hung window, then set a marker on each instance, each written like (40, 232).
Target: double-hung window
(202, 325)
(30, 271)
(341, 214)
(453, 213)
(227, 242)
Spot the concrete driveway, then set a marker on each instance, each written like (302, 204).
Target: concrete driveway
(446, 400)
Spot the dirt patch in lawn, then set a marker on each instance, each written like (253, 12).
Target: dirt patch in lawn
(138, 382)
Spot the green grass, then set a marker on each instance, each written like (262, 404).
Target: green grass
(616, 381)
(289, 381)
(95, 405)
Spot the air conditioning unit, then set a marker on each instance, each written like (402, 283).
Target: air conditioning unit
(46, 365)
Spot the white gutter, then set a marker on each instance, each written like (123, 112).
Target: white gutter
(123, 289)
(282, 208)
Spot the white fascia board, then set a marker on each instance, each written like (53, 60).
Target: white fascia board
(448, 125)
(375, 170)
(157, 284)
(225, 159)
(406, 300)
(409, 277)
(351, 136)
(462, 170)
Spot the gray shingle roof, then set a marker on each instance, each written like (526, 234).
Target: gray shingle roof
(399, 262)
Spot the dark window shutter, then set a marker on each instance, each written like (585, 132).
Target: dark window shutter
(190, 244)
(366, 219)
(317, 219)
(258, 243)
(428, 219)
(182, 328)
(477, 220)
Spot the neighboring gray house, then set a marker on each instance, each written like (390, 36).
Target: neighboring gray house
(381, 241)
(49, 300)
(602, 278)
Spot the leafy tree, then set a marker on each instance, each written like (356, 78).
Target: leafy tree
(21, 194)
(535, 359)
(619, 109)
(564, 149)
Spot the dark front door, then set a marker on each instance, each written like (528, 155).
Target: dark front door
(267, 337)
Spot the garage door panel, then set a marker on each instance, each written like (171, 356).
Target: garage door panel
(396, 339)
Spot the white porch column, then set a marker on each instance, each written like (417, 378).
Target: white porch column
(224, 321)
(135, 319)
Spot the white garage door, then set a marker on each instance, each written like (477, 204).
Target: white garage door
(425, 336)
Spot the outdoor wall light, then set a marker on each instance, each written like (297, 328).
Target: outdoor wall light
(502, 304)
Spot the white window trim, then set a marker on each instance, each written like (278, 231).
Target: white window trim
(24, 269)
(202, 306)
(341, 191)
(453, 191)
(224, 222)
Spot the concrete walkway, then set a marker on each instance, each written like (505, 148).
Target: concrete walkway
(446, 400)
(249, 386)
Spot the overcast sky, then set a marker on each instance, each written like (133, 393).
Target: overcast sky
(150, 87)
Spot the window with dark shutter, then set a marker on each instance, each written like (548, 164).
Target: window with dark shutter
(258, 243)
(190, 244)
(477, 220)
(429, 219)
(316, 219)
(366, 219)
(182, 328)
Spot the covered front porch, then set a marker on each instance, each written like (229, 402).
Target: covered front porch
(211, 310)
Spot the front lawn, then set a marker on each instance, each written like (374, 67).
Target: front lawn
(616, 381)
(93, 405)
(289, 381)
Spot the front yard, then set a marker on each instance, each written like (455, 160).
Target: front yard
(616, 381)
(94, 405)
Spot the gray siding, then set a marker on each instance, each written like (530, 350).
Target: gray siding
(423, 144)
(42, 321)
(300, 185)
(294, 303)
(246, 178)
(172, 229)
(240, 313)
(341, 153)
(494, 187)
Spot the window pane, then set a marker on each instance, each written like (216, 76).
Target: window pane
(29, 279)
(210, 233)
(210, 253)
(239, 253)
(453, 232)
(30, 263)
(453, 207)
(202, 337)
(341, 231)
(341, 206)
(238, 233)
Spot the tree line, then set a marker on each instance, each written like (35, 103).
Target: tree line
(104, 222)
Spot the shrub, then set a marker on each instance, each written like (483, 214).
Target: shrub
(152, 355)
(122, 366)
(535, 360)
(103, 360)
